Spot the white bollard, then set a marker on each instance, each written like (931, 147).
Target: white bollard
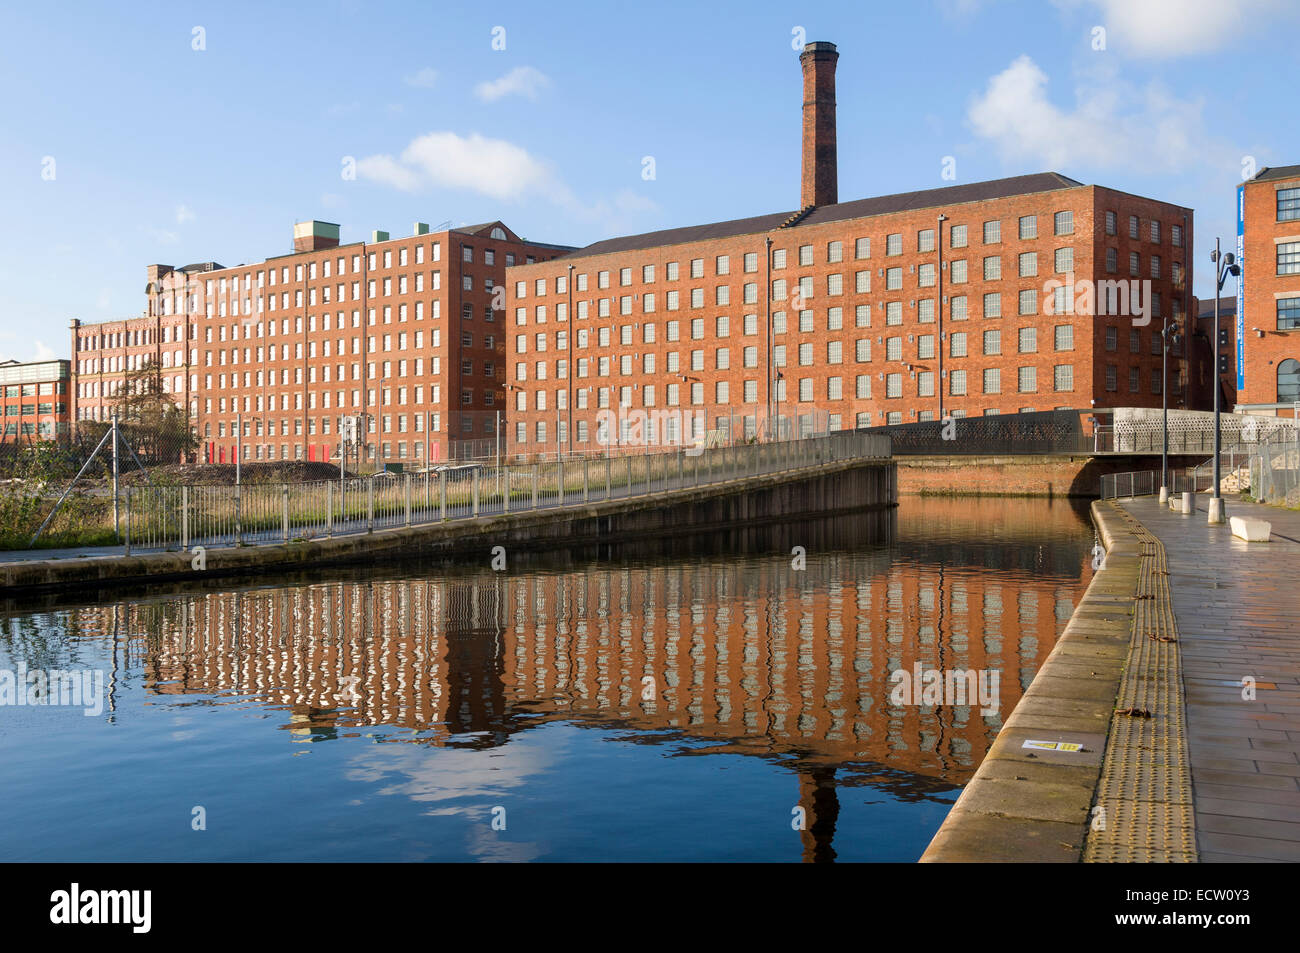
(1216, 510)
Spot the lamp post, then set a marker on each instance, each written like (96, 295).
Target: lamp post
(572, 343)
(1169, 336)
(767, 322)
(938, 306)
(1224, 265)
(383, 461)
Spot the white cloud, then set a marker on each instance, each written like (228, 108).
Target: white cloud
(1111, 123)
(520, 81)
(422, 79)
(184, 214)
(500, 170)
(43, 352)
(493, 167)
(1177, 27)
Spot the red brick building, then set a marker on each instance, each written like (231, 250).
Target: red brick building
(1271, 276)
(992, 297)
(1203, 355)
(163, 338)
(404, 335)
(35, 401)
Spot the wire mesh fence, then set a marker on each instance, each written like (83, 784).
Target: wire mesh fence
(180, 517)
(1275, 471)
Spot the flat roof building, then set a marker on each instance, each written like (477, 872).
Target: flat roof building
(1269, 206)
(34, 401)
(401, 335)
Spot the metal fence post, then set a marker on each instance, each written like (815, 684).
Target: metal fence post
(476, 472)
(185, 517)
(535, 485)
(284, 509)
(505, 497)
(628, 458)
(442, 494)
(609, 479)
(406, 488)
(370, 505)
(586, 487)
(329, 508)
(559, 466)
(127, 543)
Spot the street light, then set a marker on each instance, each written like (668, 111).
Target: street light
(571, 344)
(938, 306)
(383, 461)
(1169, 334)
(1224, 265)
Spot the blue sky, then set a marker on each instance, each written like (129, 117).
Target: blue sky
(121, 144)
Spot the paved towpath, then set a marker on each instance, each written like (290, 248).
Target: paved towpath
(1237, 607)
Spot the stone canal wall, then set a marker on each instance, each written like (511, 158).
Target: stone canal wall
(1033, 805)
(844, 487)
(1012, 475)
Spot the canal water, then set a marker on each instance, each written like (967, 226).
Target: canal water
(728, 697)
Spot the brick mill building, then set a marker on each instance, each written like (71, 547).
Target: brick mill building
(1270, 210)
(405, 335)
(34, 401)
(956, 301)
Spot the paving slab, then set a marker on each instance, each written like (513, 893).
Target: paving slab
(1238, 616)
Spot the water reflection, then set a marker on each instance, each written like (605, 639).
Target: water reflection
(735, 651)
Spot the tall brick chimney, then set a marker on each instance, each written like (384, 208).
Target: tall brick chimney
(820, 172)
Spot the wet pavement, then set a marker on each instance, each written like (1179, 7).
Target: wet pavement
(1237, 607)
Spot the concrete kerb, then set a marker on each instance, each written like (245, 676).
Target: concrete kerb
(1034, 805)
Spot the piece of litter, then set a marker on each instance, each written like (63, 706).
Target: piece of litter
(1053, 746)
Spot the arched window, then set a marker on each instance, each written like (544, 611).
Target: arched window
(1288, 381)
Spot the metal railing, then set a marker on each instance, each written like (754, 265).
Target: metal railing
(1123, 486)
(180, 517)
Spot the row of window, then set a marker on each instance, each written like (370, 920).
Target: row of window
(1153, 231)
(1026, 383)
(43, 389)
(44, 428)
(1027, 228)
(31, 410)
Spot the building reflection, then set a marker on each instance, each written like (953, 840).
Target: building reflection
(742, 655)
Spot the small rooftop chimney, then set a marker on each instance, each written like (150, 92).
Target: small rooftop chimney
(820, 172)
(314, 235)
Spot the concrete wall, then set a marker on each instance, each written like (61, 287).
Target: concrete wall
(846, 487)
(1011, 475)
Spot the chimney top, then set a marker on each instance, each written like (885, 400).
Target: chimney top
(820, 173)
